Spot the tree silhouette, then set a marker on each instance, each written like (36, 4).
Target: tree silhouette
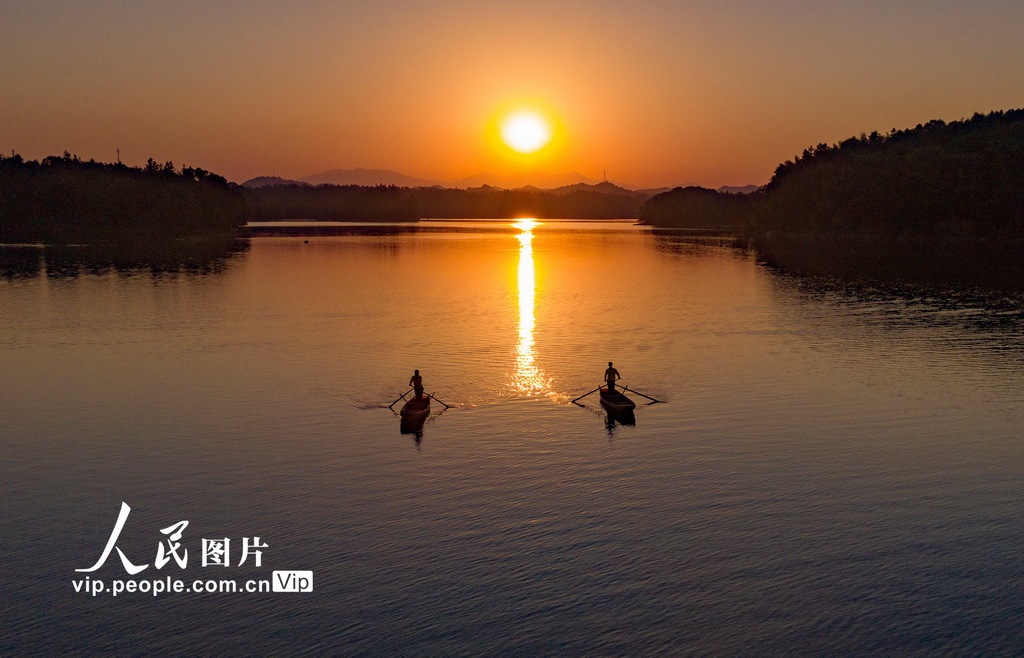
(63, 199)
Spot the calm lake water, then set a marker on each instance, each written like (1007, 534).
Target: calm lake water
(838, 468)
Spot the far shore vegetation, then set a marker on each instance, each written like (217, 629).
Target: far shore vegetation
(390, 203)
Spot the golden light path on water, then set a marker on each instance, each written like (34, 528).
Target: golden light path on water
(528, 379)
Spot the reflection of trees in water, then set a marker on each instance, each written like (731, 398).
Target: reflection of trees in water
(192, 257)
(993, 264)
(20, 262)
(698, 242)
(383, 244)
(386, 237)
(988, 321)
(973, 292)
(312, 229)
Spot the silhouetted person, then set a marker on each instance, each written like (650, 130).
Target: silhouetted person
(417, 383)
(610, 375)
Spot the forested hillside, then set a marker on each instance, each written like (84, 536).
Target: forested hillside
(63, 199)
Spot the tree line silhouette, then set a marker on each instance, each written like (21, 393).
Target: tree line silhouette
(962, 180)
(391, 203)
(698, 207)
(64, 200)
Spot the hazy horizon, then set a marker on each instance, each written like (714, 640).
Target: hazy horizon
(676, 93)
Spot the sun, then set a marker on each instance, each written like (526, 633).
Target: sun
(525, 132)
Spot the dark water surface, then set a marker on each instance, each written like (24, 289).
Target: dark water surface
(838, 469)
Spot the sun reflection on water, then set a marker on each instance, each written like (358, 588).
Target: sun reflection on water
(528, 379)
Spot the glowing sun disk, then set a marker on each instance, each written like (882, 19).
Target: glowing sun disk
(525, 132)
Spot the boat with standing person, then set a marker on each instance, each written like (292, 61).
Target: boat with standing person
(416, 409)
(619, 407)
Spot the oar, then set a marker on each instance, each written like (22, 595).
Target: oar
(431, 396)
(588, 393)
(626, 388)
(401, 397)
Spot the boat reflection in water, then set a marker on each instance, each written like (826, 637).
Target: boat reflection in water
(614, 418)
(528, 378)
(414, 428)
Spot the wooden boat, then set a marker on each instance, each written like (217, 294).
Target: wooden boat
(414, 413)
(615, 402)
(415, 409)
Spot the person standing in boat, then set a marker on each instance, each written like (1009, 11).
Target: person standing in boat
(417, 383)
(610, 375)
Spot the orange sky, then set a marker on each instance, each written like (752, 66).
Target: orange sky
(656, 93)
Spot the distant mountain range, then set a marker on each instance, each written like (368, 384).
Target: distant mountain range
(267, 181)
(564, 182)
(539, 179)
(359, 176)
